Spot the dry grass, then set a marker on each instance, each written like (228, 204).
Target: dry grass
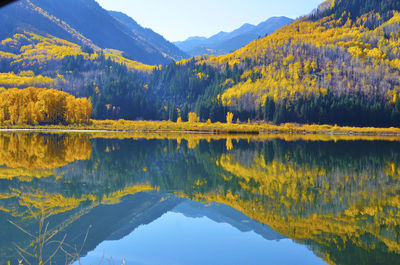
(220, 128)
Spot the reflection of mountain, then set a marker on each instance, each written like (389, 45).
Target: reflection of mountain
(104, 222)
(342, 199)
(113, 222)
(221, 213)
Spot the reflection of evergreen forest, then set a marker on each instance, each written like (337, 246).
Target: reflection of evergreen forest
(342, 199)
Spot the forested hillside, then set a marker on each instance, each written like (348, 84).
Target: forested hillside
(325, 68)
(115, 84)
(83, 22)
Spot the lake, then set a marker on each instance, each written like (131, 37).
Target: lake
(121, 198)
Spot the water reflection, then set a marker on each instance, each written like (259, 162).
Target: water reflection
(182, 236)
(339, 198)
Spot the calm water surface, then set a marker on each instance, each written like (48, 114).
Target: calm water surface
(190, 199)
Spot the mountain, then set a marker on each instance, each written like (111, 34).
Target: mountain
(221, 213)
(83, 22)
(356, 8)
(190, 43)
(116, 221)
(225, 42)
(330, 67)
(149, 36)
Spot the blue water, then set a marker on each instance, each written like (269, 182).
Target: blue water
(198, 201)
(176, 239)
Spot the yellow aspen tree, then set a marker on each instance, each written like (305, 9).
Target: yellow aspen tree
(229, 117)
(193, 118)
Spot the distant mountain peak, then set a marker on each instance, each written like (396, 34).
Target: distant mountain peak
(195, 38)
(225, 42)
(247, 26)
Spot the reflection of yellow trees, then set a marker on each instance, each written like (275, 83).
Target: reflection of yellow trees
(35, 151)
(192, 142)
(24, 174)
(393, 170)
(275, 179)
(33, 203)
(290, 197)
(322, 228)
(40, 202)
(179, 136)
(229, 145)
(116, 197)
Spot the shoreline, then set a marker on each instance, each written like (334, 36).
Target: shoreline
(231, 133)
(168, 127)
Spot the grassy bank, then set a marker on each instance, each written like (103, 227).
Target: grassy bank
(218, 128)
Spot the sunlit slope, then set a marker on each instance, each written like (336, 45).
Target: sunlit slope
(83, 22)
(30, 51)
(338, 65)
(112, 82)
(342, 55)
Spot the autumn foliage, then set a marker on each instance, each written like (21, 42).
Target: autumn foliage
(38, 152)
(229, 117)
(192, 117)
(42, 106)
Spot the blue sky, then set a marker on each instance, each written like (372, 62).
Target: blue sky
(177, 20)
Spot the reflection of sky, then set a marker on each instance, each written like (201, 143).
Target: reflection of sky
(176, 239)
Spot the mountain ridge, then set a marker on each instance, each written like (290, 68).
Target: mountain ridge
(148, 35)
(325, 68)
(225, 42)
(68, 20)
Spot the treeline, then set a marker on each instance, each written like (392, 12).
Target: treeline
(332, 109)
(357, 8)
(176, 85)
(42, 106)
(178, 89)
(115, 92)
(325, 109)
(310, 72)
(191, 87)
(310, 75)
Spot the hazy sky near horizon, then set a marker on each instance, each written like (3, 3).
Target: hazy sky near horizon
(177, 20)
